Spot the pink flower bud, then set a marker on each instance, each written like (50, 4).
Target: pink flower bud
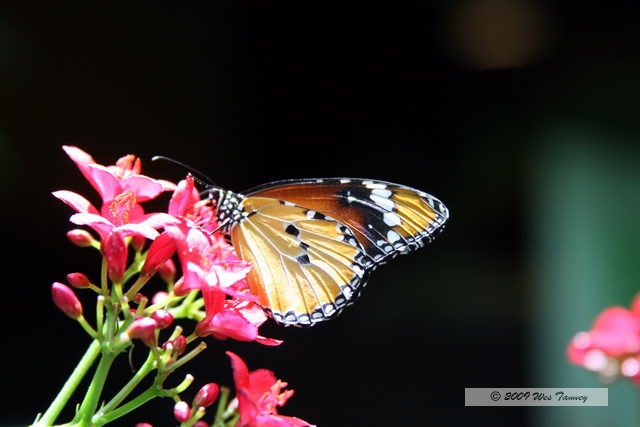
(206, 396)
(167, 271)
(115, 249)
(80, 237)
(163, 318)
(137, 242)
(143, 329)
(137, 298)
(181, 411)
(78, 280)
(66, 300)
(160, 251)
(179, 344)
(144, 425)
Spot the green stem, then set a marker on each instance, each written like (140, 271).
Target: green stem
(222, 406)
(85, 325)
(104, 284)
(90, 402)
(143, 398)
(137, 285)
(144, 370)
(184, 359)
(70, 386)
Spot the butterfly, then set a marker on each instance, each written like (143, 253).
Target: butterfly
(313, 243)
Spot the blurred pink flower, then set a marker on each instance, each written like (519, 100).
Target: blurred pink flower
(612, 346)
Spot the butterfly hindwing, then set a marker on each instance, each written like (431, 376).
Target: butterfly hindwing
(306, 265)
(386, 218)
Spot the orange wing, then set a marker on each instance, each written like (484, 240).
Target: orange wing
(306, 265)
(386, 218)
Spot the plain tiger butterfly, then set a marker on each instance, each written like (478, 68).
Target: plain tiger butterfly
(312, 243)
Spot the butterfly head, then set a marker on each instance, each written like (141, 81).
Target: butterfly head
(229, 209)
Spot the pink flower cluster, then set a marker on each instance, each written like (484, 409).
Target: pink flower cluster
(612, 347)
(209, 264)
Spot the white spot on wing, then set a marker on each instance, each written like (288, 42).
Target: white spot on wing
(392, 236)
(382, 192)
(382, 201)
(391, 219)
(373, 185)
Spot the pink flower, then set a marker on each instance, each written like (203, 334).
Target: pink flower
(259, 394)
(207, 261)
(612, 346)
(122, 214)
(109, 181)
(232, 318)
(121, 188)
(208, 266)
(186, 205)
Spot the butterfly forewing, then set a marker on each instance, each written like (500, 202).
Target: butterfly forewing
(386, 218)
(306, 265)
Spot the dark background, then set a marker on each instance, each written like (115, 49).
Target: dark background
(449, 97)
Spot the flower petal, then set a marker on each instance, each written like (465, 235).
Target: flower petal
(240, 371)
(158, 220)
(76, 201)
(272, 342)
(145, 188)
(185, 196)
(233, 325)
(90, 219)
(140, 229)
(105, 183)
(82, 160)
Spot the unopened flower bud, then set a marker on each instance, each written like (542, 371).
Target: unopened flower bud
(138, 297)
(144, 329)
(66, 300)
(161, 249)
(167, 271)
(182, 411)
(80, 238)
(206, 396)
(144, 425)
(179, 344)
(115, 249)
(78, 280)
(163, 318)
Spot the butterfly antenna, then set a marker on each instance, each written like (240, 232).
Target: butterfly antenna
(193, 171)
